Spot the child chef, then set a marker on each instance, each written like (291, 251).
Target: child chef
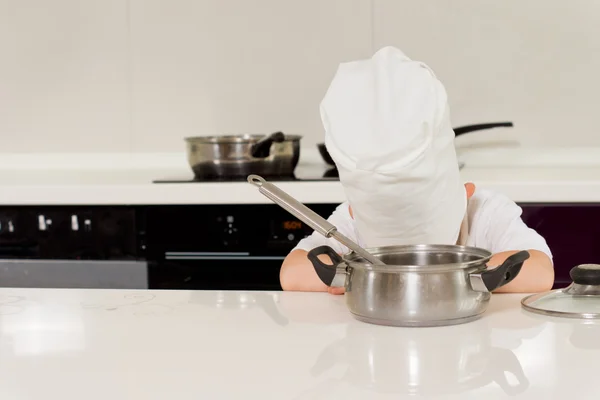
(387, 127)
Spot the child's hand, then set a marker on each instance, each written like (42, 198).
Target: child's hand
(336, 290)
(537, 273)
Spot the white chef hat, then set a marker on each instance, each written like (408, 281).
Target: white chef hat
(387, 127)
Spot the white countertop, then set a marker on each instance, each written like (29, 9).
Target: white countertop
(125, 345)
(523, 174)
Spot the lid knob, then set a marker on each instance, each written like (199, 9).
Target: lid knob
(586, 274)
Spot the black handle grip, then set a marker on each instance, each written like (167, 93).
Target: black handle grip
(586, 274)
(262, 148)
(461, 130)
(326, 272)
(505, 273)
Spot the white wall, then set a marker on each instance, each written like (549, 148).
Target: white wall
(139, 75)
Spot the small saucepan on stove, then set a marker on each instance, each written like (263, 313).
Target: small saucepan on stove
(410, 285)
(461, 130)
(237, 156)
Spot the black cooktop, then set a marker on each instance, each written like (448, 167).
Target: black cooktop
(329, 175)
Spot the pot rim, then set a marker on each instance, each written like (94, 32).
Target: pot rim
(355, 261)
(243, 138)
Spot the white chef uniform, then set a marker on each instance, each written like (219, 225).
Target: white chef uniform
(494, 224)
(387, 127)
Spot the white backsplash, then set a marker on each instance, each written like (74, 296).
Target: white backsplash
(139, 75)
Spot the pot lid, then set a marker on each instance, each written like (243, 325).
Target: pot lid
(581, 299)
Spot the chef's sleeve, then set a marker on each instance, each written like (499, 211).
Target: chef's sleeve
(506, 230)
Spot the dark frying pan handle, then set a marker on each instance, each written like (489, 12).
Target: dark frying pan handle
(325, 154)
(326, 272)
(262, 148)
(461, 130)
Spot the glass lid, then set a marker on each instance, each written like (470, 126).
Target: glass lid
(581, 299)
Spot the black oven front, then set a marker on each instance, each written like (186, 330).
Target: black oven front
(222, 247)
(242, 246)
(213, 247)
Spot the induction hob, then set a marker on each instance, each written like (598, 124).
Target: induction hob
(304, 173)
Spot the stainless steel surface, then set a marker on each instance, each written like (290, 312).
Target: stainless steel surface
(423, 285)
(477, 283)
(356, 248)
(341, 273)
(292, 206)
(415, 258)
(307, 216)
(231, 156)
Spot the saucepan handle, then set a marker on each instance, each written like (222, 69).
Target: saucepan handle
(492, 279)
(262, 148)
(328, 272)
(308, 216)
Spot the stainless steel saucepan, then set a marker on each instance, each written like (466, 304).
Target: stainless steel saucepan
(411, 285)
(237, 156)
(419, 285)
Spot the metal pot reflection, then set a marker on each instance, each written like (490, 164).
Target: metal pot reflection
(391, 360)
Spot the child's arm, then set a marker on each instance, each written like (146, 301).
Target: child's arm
(297, 272)
(537, 273)
(505, 234)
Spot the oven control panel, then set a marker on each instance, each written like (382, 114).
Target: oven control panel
(250, 229)
(288, 230)
(221, 246)
(229, 230)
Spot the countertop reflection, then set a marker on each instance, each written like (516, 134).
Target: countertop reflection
(276, 345)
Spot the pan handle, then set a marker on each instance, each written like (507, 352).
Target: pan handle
(292, 206)
(461, 130)
(492, 279)
(262, 148)
(308, 216)
(331, 275)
